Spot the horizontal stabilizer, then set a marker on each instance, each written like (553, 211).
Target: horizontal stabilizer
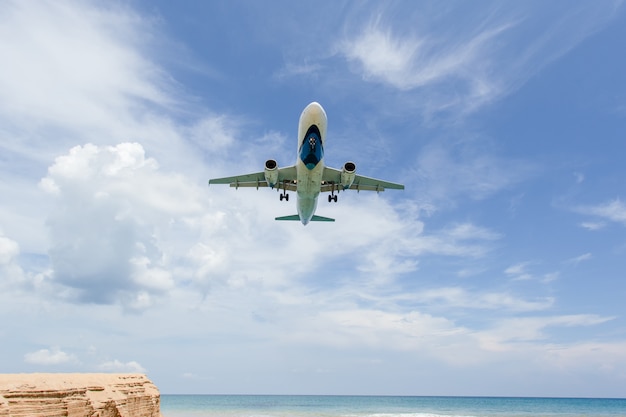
(314, 219)
(321, 219)
(294, 217)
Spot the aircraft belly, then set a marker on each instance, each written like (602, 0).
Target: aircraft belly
(309, 180)
(306, 208)
(308, 189)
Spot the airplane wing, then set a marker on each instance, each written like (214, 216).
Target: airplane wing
(286, 176)
(332, 177)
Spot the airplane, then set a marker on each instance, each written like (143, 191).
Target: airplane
(309, 176)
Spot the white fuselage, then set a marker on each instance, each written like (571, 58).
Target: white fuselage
(310, 159)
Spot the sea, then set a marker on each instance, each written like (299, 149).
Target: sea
(378, 406)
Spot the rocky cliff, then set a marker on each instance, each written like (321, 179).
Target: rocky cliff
(78, 395)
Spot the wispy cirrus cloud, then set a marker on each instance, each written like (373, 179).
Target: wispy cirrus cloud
(578, 259)
(458, 297)
(592, 225)
(521, 329)
(409, 62)
(92, 64)
(478, 62)
(519, 272)
(522, 271)
(613, 211)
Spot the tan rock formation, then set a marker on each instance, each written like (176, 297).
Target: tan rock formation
(78, 395)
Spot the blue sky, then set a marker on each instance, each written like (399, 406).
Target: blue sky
(498, 271)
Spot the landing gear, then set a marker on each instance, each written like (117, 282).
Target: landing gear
(284, 193)
(332, 196)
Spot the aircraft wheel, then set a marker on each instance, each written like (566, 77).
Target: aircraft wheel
(281, 197)
(287, 197)
(330, 198)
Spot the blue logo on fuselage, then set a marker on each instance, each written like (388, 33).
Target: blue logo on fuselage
(311, 149)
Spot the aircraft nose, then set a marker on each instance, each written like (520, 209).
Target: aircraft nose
(316, 111)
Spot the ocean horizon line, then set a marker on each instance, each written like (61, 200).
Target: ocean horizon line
(531, 397)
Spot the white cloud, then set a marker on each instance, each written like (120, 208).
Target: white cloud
(298, 69)
(519, 272)
(593, 225)
(578, 259)
(508, 331)
(118, 366)
(114, 213)
(9, 249)
(592, 357)
(10, 270)
(443, 339)
(408, 62)
(124, 231)
(458, 297)
(91, 64)
(53, 356)
(491, 51)
(614, 211)
(375, 329)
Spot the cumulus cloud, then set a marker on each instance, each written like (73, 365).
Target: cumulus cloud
(12, 274)
(124, 231)
(53, 356)
(9, 249)
(119, 366)
(113, 207)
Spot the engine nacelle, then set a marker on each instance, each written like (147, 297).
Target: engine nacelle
(271, 172)
(348, 173)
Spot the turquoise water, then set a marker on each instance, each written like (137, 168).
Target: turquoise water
(366, 406)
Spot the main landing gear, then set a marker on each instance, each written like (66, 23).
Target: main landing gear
(284, 194)
(332, 196)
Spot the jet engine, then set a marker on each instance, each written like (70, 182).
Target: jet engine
(348, 173)
(271, 172)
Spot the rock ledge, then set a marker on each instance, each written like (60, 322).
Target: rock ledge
(78, 395)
